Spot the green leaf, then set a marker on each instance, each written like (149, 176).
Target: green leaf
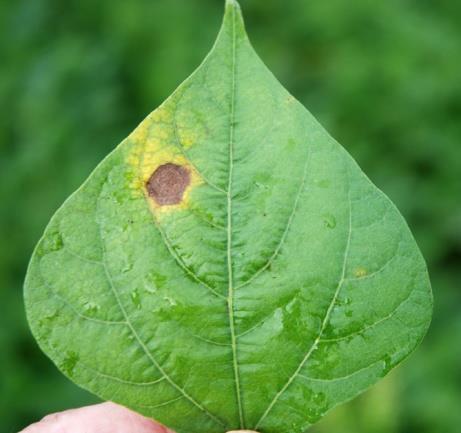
(228, 265)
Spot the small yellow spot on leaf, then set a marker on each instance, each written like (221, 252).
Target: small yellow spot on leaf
(360, 272)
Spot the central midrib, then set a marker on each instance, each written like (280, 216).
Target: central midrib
(230, 291)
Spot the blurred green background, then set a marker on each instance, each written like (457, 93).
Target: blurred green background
(384, 77)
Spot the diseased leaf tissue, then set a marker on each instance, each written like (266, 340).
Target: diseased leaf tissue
(228, 265)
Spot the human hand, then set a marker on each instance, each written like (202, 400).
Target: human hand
(100, 418)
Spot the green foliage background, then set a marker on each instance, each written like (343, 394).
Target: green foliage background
(383, 77)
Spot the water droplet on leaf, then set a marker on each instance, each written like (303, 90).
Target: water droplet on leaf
(323, 183)
(69, 362)
(91, 307)
(136, 299)
(53, 242)
(313, 415)
(319, 398)
(48, 316)
(329, 221)
(171, 301)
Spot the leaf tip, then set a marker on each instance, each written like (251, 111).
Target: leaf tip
(232, 3)
(233, 13)
(233, 6)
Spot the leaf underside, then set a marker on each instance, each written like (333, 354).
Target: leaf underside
(228, 265)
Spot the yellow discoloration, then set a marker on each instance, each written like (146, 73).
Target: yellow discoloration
(187, 141)
(154, 143)
(190, 128)
(360, 272)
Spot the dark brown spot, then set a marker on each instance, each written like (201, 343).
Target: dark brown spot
(168, 183)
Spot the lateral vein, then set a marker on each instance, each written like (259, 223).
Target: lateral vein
(325, 321)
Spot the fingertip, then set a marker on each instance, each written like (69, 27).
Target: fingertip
(101, 418)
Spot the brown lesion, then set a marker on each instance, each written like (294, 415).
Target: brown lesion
(168, 183)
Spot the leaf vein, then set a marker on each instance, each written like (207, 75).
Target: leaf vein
(337, 379)
(181, 148)
(120, 380)
(165, 403)
(143, 345)
(76, 311)
(374, 324)
(324, 324)
(230, 300)
(286, 230)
